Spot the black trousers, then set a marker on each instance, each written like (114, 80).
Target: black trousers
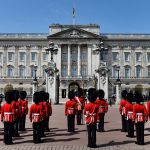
(130, 128)
(47, 124)
(140, 132)
(71, 123)
(36, 132)
(101, 122)
(16, 126)
(91, 128)
(79, 117)
(8, 131)
(43, 125)
(22, 122)
(124, 123)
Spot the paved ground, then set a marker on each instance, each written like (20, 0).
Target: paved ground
(59, 138)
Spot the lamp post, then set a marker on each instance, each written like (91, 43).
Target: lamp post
(118, 84)
(102, 69)
(100, 49)
(51, 74)
(51, 49)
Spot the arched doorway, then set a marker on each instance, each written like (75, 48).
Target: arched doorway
(74, 86)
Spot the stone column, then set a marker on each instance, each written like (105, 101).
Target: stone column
(89, 61)
(117, 93)
(69, 63)
(79, 60)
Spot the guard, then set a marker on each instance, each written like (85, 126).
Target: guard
(70, 111)
(80, 106)
(35, 117)
(103, 108)
(91, 112)
(122, 110)
(129, 115)
(7, 116)
(140, 116)
(24, 110)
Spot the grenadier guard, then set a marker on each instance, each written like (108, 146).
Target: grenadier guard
(17, 116)
(80, 106)
(49, 111)
(148, 106)
(91, 111)
(35, 116)
(7, 116)
(123, 102)
(24, 109)
(70, 111)
(43, 105)
(129, 115)
(140, 116)
(103, 108)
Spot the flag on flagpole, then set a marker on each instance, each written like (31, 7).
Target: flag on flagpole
(73, 13)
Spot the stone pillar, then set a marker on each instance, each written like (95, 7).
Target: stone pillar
(89, 61)
(69, 63)
(117, 93)
(79, 60)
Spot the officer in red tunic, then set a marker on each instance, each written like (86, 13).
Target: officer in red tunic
(35, 116)
(7, 115)
(43, 105)
(80, 105)
(103, 108)
(16, 104)
(91, 111)
(148, 106)
(129, 115)
(49, 112)
(140, 116)
(122, 110)
(24, 109)
(70, 111)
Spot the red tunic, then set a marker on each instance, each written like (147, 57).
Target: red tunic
(139, 109)
(148, 107)
(129, 111)
(7, 113)
(24, 106)
(80, 103)
(90, 112)
(35, 109)
(122, 106)
(48, 109)
(70, 107)
(43, 105)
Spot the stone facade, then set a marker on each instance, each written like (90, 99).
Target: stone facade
(75, 59)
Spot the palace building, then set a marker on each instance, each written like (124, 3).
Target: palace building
(76, 59)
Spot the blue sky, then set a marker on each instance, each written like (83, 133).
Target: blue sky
(113, 16)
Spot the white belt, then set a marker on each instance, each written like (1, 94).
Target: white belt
(8, 113)
(130, 112)
(36, 114)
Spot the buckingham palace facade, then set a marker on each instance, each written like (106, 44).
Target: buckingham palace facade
(75, 60)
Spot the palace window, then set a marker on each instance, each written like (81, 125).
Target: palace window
(1, 57)
(84, 70)
(21, 71)
(138, 71)
(32, 72)
(74, 71)
(127, 56)
(148, 57)
(127, 71)
(114, 72)
(33, 56)
(64, 55)
(138, 56)
(22, 56)
(10, 71)
(64, 69)
(148, 71)
(10, 56)
(115, 56)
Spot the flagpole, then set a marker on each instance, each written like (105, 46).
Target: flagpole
(73, 16)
